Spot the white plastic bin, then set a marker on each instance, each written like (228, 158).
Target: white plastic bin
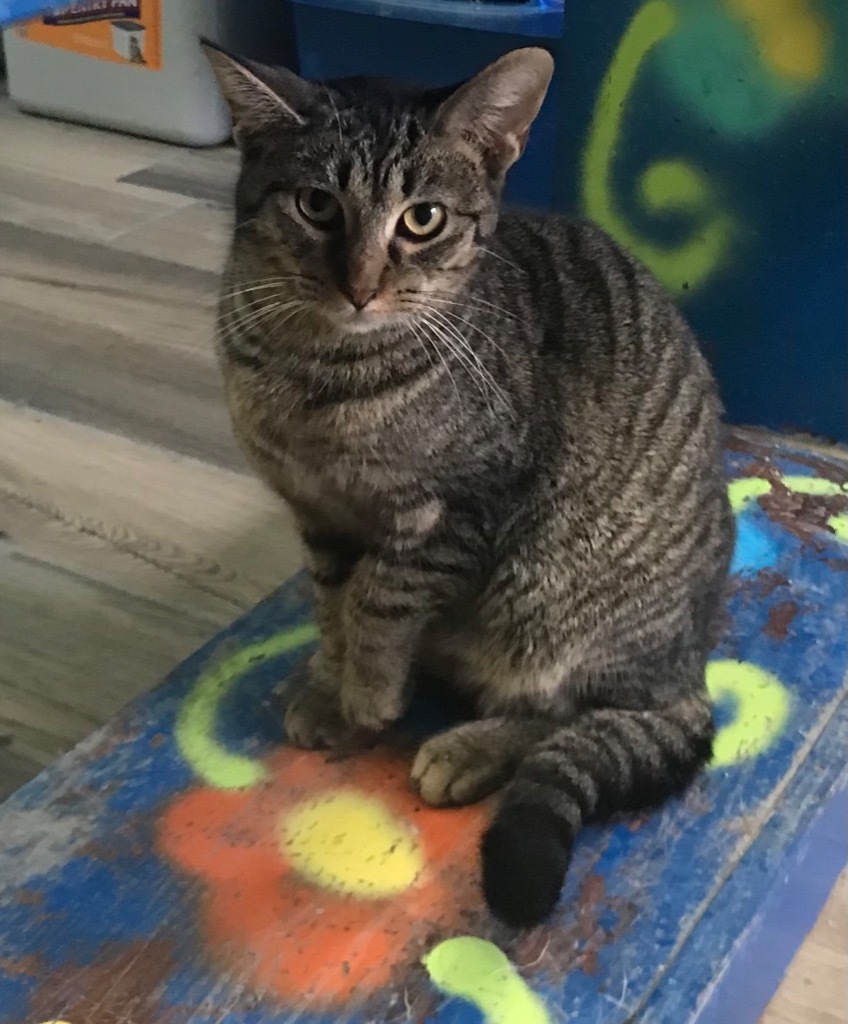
(137, 66)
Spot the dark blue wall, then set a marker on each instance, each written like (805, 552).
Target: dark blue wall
(711, 138)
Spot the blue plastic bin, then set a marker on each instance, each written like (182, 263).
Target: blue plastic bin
(436, 42)
(17, 10)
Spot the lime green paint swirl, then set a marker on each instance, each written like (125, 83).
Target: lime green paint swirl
(814, 485)
(667, 186)
(477, 971)
(839, 525)
(196, 721)
(743, 492)
(762, 710)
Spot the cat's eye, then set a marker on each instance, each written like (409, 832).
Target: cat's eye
(319, 207)
(421, 222)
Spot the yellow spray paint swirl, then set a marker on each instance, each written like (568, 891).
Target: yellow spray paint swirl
(667, 186)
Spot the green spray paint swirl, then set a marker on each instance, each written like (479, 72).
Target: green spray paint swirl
(196, 721)
(477, 971)
(667, 186)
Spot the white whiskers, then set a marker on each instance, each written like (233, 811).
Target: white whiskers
(263, 284)
(452, 338)
(472, 303)
(503, 259)
(430, 345)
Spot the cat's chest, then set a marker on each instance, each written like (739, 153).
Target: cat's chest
(329, 474)
(325, 486)
(320, 485)
(329, 485)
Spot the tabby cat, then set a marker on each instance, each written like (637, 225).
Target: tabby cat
(501, 445)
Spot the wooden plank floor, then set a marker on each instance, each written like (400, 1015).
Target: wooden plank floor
(130, 528)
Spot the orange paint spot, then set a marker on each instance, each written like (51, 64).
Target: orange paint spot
(298, 934)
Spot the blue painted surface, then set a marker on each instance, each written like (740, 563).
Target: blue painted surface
(751, 977)
(653, 911)
(755, 548)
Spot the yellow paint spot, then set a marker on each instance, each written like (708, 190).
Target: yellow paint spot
(762, 710)
(352, 843)
(743, 492)
(667, 185)
(792, 40)
(477, 971)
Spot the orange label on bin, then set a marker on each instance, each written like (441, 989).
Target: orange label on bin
(120, 32)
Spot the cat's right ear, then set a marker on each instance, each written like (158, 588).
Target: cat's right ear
(260, 98)
(497, 106)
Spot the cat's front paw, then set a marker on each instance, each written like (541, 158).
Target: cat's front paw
(314, 721)
(452, 769)
(368, 707)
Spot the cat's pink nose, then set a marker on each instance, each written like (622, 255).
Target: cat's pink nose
(360, 297)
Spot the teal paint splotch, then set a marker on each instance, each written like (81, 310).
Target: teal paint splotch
(712, 66)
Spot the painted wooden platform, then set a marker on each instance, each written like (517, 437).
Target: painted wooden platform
(185, 866)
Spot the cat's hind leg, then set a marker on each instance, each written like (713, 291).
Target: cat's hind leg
(610, 759)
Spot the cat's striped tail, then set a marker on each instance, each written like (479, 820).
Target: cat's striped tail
(607, 761)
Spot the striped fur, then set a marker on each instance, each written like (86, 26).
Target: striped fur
(505, 465)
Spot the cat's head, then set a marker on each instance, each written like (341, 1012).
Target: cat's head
(361, 199)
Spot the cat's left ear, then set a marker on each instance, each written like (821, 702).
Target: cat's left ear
(497, 107)
(260, 98)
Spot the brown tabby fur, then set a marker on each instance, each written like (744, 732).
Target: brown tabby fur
(501, 445)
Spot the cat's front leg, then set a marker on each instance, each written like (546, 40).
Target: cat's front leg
(389, 602)
(314, 718)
